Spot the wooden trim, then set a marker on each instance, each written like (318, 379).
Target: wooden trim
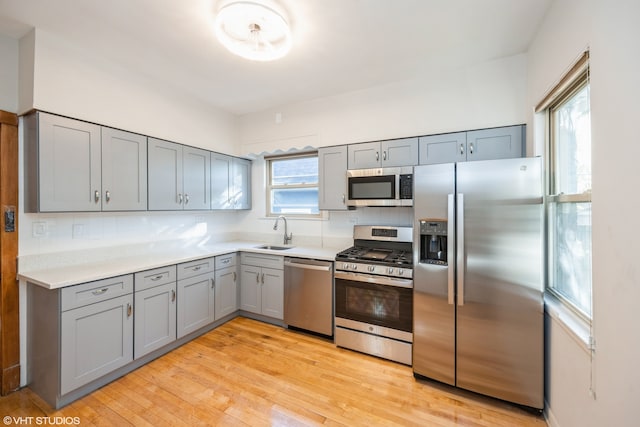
(579, 67)
(9, 294)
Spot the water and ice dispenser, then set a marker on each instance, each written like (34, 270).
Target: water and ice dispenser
(433, 241)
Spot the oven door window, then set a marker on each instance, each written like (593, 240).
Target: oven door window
(372, 187)
(381, 305)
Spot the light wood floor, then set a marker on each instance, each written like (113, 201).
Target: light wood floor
(250, 373)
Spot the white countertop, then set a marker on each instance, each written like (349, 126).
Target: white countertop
(55, 271)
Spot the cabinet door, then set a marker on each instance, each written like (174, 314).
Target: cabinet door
(196, 178)
(155, 318)
(250, 289)
(399, 152)
(272, 293)
(495, 143)
(241, 190)
(124, 171)
(195, 303)
(69, 165)
(363, 156)
(332, 166)
(444, 148)
(165, 175)
(220, 184)
(95, 340)
(226, 292)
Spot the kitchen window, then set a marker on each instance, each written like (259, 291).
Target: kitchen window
(569, 190)
(292, 185)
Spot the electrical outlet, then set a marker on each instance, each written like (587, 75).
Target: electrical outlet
(39, 229)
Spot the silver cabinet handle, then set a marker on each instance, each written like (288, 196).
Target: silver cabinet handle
(460, 246)
(213, 283)
(100, 291)
(107, 196)
(196, 268)
(186, 199)
(257, 277)
(173, 295)
(344, 198)
(461, 149)
(226, 261)
(471, 148)
(263, 278)
(179, 198)
(129, 310)
(96, 196)
(156, 278)
(384, 155)
(234, 276)
(377, 156)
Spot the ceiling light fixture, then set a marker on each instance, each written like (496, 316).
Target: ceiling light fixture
(253, 30)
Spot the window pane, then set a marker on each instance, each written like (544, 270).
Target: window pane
(294, 201)
(297, 170)
(570, 242)
(572, 139)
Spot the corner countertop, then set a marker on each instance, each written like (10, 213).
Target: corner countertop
(59, 270)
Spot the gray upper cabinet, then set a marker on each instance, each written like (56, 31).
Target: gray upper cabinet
(496, 143)
(74, 166)
(230, 182)
(221, 181)
(124, 171)
(62, 159)
(390, 153)
(178, 176)
(241, 183)
(332, 166)
(484, 144)
(445, 148)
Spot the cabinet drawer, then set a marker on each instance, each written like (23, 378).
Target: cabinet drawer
(261, 260)
(92, 292)
(224, 261)
(158, 276)
(195, 268)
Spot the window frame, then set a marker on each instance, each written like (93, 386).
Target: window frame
(571, 86)
(270, 187)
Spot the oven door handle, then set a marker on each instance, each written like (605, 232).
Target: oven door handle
(378, 280)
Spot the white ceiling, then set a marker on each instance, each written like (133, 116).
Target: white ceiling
(339, 45)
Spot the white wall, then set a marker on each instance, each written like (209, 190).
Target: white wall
(610, 30)
(484, 95)
(8, 74)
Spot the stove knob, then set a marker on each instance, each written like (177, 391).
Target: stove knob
(390, 270)
(400, 271)
(354, 266)
(345, 266)
(371, 268)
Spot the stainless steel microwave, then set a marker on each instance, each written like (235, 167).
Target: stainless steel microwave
(380, 187)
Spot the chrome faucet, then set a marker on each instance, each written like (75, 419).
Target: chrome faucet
(287, 237)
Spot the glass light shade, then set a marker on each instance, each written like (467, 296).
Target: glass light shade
(253, 31)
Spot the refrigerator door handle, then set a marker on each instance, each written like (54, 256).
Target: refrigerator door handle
(451, 292)
(460, 261)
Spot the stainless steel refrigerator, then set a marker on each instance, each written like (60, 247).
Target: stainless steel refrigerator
(478, 270)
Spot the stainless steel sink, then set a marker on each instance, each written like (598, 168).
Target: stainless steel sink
(274, 247)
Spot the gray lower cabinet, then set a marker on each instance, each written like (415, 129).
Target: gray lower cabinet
(484, 144)
(226, 285)
(332, 185)
(196, 295)
(262, 284)
(155, 309)
(78, 334)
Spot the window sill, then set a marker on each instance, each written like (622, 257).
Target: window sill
(576, 327)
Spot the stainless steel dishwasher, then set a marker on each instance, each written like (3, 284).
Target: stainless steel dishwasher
(308, 295)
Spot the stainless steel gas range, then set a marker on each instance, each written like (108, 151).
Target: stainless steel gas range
(374, 293)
